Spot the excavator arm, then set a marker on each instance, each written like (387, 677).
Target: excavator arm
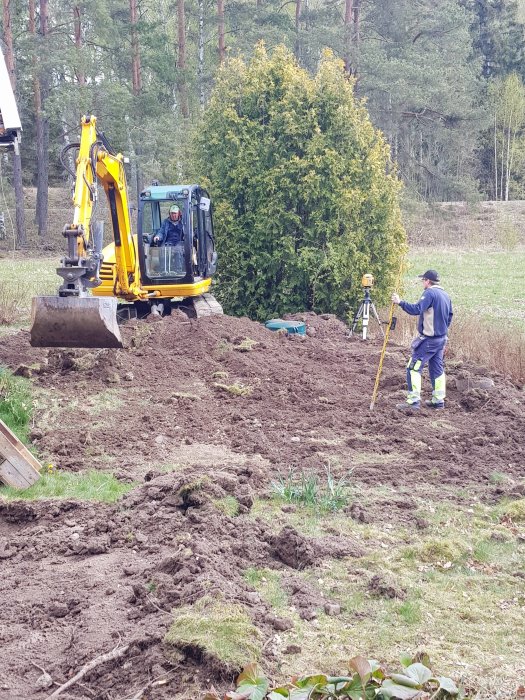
(73, 318)
(96, 163)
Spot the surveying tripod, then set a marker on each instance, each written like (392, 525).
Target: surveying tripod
(363, 313)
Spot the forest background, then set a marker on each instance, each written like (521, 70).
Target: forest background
(442, 80)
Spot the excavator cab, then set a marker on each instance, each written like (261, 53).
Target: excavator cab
(191, 260)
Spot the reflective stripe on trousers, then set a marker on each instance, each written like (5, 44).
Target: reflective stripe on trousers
(427, 350)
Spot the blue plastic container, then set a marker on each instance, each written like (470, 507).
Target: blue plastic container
(275, 324)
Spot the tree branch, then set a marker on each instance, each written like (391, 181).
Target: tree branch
(115, 654)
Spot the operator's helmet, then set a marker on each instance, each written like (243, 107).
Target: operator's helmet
(174, 209)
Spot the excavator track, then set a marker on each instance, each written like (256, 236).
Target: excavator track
(206, 305)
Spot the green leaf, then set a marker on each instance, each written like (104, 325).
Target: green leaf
(448, 685)
(249, 674)
(406, 660)
(312, 681)
(339, 679)
(419, 673)
(251, 684)
(254, 691)
(389, 689)
(279, 693)
(377, 671)
(355, 690)
(408, 681)
(300, 693)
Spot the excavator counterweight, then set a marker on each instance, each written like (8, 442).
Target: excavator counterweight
(74, 322)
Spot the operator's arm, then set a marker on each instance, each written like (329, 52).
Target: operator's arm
(161, 235)
(415, 309)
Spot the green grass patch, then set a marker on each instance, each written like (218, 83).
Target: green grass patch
(515, 510)
(323, 495)
(16, 405)
(228, 505)
(410, 612)
(441, 550)
(220, 631)
(268, 584)
(487, 283)
(20, 280)
(87, 486)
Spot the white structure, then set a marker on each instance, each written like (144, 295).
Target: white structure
(10, 126)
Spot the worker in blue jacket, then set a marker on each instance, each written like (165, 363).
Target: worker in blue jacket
(171, 231)
(434, 309)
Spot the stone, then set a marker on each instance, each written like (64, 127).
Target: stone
(332, 609)
(292, 649)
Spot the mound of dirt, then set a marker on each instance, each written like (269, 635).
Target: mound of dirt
(203, 414)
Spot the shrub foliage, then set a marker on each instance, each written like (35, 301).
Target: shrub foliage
(306, 199)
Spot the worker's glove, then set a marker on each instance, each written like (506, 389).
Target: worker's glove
(156, 239)
(396, 298)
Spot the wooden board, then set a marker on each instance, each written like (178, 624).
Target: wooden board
(18, 467)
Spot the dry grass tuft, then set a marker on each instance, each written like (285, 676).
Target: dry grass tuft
(516, 510)
(9, 303)
(237, 389)
(499, 349)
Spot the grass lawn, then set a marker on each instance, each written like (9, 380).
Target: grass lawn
(486, 283)
(22, 278)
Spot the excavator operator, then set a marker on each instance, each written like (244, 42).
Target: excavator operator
(171, 231)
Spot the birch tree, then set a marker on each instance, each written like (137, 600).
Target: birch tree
(508, 98)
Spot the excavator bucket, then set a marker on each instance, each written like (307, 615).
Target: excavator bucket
(74, 322)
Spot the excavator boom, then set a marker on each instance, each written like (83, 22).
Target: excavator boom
(74, 318)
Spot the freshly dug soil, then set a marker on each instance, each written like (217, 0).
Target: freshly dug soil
(196, 412)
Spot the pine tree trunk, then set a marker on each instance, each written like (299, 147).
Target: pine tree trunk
(348, 36)
(40, 87)
(220, 19)
(200, 70)
(81, 78)
(298, 10)
(495, 157)
(181, 60)
(21, 239)
(356, 38)
(135, 49)
(136, 81)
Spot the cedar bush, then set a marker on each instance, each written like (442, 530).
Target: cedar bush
(305, 194)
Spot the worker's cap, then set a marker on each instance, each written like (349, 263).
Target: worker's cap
(174, 209)
(431, 275)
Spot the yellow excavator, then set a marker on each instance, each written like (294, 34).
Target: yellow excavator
(135, 275)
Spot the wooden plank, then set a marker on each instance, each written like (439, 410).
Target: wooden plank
(12, 475)
(18, 467)
(10, 439)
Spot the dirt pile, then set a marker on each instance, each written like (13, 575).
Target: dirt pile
(200, 415)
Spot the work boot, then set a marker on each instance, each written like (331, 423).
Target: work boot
(408, 407)
(431, 404)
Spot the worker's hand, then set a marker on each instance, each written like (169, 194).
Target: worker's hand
(156, 239)
(396, 298)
